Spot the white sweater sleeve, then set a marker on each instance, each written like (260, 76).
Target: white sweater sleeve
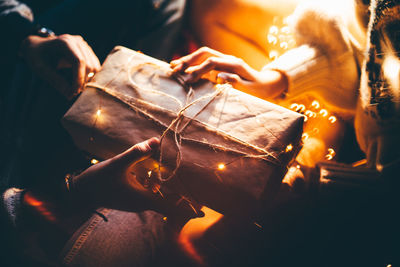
(324, 63)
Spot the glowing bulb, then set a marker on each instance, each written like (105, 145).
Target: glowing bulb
(289, 148)
(331, 154)
(301, 108)
(284, 45)
(310, 114)
(149, 173)
(294, 106)
(298, 166)
(94, 161)
(98, 113)
(285, 30)
(221, 166)
(332, 119)
(90, 75)
(272, 39)
(329, 157)
(273, 30)
(315, 104)
(323, 112)
(305, 136)
(273, 54)
(165, 219)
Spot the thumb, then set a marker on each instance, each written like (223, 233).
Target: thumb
(139, 152)
(233, 79)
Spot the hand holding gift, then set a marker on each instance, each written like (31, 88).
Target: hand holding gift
(113, 184)
(50, 56)
(217, 67)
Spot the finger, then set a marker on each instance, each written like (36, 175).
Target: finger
(194, 58)
(54, 79)
(233, 79)
(93, 62)
(139, 152)
(74, 55)
(226, 64)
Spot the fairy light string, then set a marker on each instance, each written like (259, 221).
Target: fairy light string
(175, 127)
(280, 39)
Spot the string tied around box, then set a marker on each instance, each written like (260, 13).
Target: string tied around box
(174, 126)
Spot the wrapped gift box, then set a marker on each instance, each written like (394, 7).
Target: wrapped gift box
(221, 147)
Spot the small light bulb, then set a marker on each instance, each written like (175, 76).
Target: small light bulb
(94, 161)
(329, 157)
(301, 108)
(284, 45)
(98, 113)
(285, 30)
(273, 54)
(294, 106)
(315, 104)
(90, 75)
(323, 112)
(289, 148)
(332, 119)
(273, 30)
(272, 39)
(221, 166)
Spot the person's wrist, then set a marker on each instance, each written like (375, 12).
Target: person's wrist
(37, 35)
(278, 81)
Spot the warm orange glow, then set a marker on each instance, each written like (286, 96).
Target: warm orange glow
(273, 30)
(315, 104)
(194, 229)
(323, 112)
(94, 161)
(273, 55)
(39, 206)
(98, 113)
(359, 163)
(310, 114)
(332, 119)
(301, 108)
(221, 166)
(331, 154)
(289, 148)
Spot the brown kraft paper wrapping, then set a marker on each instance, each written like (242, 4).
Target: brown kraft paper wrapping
(229, 150)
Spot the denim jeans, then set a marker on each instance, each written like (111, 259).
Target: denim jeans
(126, 239)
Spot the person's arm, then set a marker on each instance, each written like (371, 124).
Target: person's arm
(109, 184)
(206, 63)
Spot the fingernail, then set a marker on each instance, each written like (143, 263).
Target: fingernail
(177, 68)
